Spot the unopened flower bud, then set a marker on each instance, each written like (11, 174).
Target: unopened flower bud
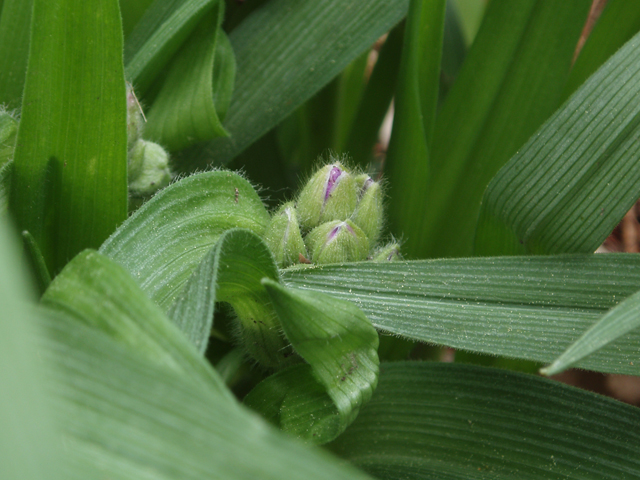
(283, 236)
(369, 214)
(135, 121)
(388, 253)
(338, 241)
(330, 195)
(148, 168)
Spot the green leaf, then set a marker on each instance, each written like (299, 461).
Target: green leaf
(132, 11)
(231, 272)
(158, 35)
(574, 180)
(69, 186)
(619, 22)
(28, 430)
(15, 26)
(317, 401)
(131, 419)
(8, 133)
(501, 96)
(185, 111)
(530, 308)
(407, 162)
(96, 291)
(38, 266)
(446, 421)
(163, 242)
(273, 79)
(619, 321)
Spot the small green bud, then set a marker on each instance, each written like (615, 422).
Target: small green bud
(135, 119)
(388, 253)
(283, 236)
(338, 241)
(148, 168)
(369, 214)
(331, 194)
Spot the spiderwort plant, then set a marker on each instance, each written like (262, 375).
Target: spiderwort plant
(184, 330)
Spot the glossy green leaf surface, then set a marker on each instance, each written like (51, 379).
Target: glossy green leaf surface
(501, 96)
(408, 158)
(616, 323)
(531, 308)
(69, 185)
(446, 421)
(317, 401)
(184, 111)
(96, 291)
(132, 419)
(165, 240)
(157, 36)
(274, 78)
(28, 431)
(574, 180)
(15, 28)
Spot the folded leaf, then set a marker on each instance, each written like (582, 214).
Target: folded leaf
(317, 401)
(158, 35)
(447, 421)
(574, 180)
(185, 111)
(163, 242)
(531, 308)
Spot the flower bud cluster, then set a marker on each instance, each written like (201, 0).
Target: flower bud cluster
(148, 162)
(337, 217)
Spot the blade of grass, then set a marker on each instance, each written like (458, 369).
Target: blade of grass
(616, 323)
(407, 162)
(435, 421)
(530, 308)
(499, 99)
(15, 26)
(69, 185)
(574, 180)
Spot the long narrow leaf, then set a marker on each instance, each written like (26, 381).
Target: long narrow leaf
(407, 163)
(577, 176)
(435, 421)
(501, 96)
(15, 27)
(531, 308)
(69, 185)
(618, 322)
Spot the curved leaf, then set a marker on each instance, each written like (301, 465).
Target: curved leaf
(96, 291)
(162, 243)
(184, 111)
(157, 36)
(574, 180)
(447, 421)
(273, 78)
(521, 307)
(317, 401)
